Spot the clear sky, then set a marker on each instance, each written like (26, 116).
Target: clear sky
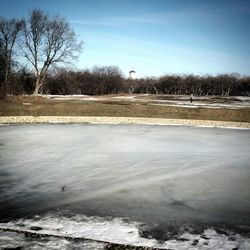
(154, 36)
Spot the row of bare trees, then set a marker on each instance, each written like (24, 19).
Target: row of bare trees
(109, 80)
(223, 85)
(43, 41)
(97, 81)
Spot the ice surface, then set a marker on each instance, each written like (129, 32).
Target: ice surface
(153, 174)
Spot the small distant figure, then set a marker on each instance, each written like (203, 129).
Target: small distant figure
(191, 97)
(63, 188)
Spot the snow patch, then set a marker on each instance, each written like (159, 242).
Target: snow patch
(72, 97)
(243, 98)
(113, 230)
(123, 97)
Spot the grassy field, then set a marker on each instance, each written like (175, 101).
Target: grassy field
(40, 106)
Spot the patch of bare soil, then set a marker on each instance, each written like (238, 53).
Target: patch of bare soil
(123, 106)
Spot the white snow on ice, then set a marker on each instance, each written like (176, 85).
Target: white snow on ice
(115, 230)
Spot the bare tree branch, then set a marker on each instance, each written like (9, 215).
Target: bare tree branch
(48, 41)
(9, 30)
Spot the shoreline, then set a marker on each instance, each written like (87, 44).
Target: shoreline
(121, 120)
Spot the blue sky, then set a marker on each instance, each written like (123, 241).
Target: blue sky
(155, 37)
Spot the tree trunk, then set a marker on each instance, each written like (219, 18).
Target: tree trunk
(5, 85)
(37, 86)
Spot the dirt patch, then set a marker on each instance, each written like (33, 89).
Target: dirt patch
(41, 106)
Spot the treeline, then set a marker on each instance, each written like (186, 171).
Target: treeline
(110, 80)
(223, 85)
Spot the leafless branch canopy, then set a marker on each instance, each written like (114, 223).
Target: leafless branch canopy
(48, 41)
(9, 31)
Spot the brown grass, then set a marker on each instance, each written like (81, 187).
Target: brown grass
(40, 106)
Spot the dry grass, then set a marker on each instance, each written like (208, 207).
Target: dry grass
(40, 106)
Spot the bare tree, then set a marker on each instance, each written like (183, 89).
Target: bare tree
(1, 63)
(47, 42)
(9, 30)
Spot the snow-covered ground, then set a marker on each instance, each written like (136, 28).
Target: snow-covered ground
(72, 97)
(198, 104)
(232, 102)
(175, 186)
(59, 228)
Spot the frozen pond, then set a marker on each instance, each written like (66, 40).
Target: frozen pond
(162, 176)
